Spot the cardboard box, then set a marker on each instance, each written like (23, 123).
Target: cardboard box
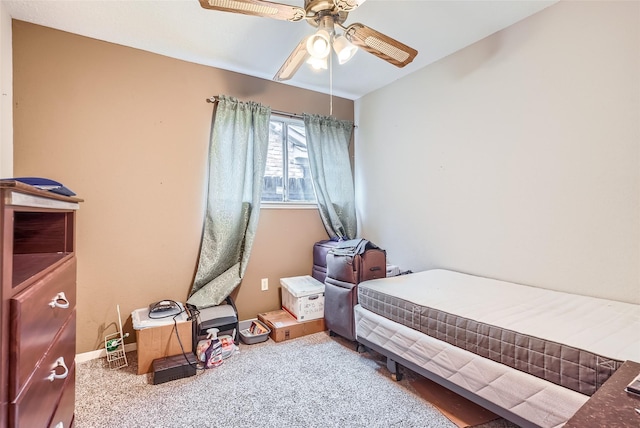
(157, 338)
(303, 297)
(158, 342)
(284, 326)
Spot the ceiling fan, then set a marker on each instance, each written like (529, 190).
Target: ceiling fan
(328, 16)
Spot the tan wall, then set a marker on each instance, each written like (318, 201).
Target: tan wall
(128, 131)
(6, 95)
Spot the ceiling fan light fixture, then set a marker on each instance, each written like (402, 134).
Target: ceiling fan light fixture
(344, 49)
(317, 63)
(319, 45)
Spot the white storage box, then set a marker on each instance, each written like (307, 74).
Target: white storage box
(392, 270)
(303, 297)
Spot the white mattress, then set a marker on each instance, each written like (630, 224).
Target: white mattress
(531, 398)
(604, 327)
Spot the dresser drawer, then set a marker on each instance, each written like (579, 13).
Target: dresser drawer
(63, 416)
(37, 401)
(36, 317)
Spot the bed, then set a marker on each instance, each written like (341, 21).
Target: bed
(531, 355)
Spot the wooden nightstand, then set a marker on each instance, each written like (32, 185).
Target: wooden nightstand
(611, 406)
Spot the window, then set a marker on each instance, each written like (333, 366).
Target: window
(287, 177)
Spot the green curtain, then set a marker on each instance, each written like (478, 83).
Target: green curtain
(328, 146)
(237, 159)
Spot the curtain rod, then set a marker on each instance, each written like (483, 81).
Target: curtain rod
(215, 99)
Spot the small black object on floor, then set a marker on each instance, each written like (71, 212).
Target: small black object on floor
(171, 368)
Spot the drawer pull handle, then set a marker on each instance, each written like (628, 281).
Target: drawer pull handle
(59, 363)
(55, 302)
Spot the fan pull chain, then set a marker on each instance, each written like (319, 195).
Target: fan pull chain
(330, 83)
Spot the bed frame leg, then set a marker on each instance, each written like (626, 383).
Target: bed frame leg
(394, 368)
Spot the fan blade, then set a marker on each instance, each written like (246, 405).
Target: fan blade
(293, 62)
(347, 5)
(380, 45)
(263, 8)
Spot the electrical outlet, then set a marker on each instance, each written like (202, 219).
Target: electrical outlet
(265, 284)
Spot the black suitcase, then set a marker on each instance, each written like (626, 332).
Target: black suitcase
(320, 250)
(348, 264)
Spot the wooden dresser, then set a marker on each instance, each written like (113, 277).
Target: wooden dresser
(38, 298)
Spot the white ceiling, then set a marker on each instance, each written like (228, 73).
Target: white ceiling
(258, 46)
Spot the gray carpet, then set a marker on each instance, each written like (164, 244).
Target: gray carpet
(313, 381)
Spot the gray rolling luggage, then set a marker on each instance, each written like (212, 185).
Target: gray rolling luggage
(348, 264)
(320, 250)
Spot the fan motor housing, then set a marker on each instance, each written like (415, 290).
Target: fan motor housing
(316, 9)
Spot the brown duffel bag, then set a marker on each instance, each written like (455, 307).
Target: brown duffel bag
(348, 264)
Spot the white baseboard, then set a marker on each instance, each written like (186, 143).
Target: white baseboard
(100, 353)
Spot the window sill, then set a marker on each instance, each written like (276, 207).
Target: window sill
(289, 206)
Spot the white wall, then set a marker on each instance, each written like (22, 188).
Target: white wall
(6, 95)
(516, 158)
